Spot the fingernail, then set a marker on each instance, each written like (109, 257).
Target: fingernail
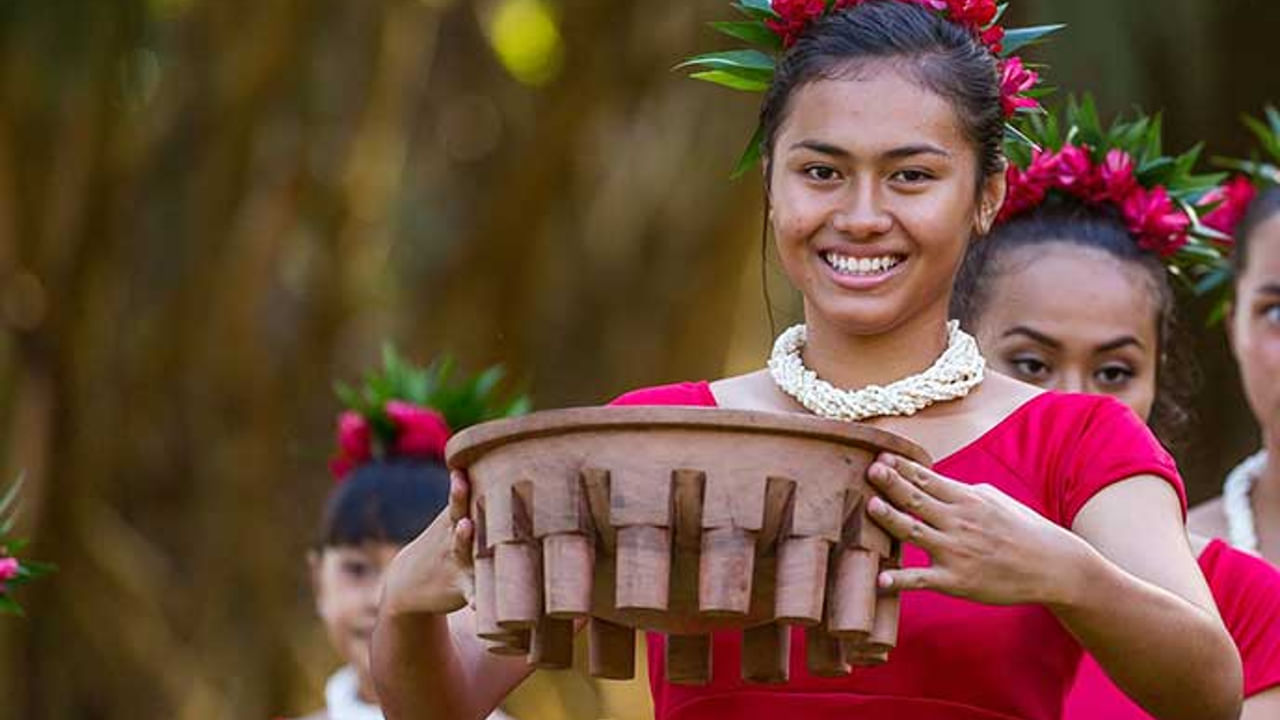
(885, 580)
(875, 505)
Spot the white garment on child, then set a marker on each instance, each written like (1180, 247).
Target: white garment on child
(342, 699)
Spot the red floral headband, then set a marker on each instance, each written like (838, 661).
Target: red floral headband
(419, 432)
(407, 411)
(1158, 224)
(1159, 198)
(772, 26)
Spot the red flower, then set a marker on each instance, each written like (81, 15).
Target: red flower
(1232, 199)
(974, 14)
(993, 38)
(1116, 178)
(355, 443)
(421, 432)
(1015, 79)
(793, 17)
(1159, 225)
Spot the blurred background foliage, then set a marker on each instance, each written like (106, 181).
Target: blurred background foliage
(210, 209)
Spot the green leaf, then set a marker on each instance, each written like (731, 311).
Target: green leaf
(750, 31)
(731, 59)
(732, 80)
(10, 606)
(9, 502)
(1013, 134)
(751, 155)
(1017, 38)
(759, 9)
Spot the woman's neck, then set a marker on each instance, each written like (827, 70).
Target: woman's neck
(1266, 492)
(855, 361)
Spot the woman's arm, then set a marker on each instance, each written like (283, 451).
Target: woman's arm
(1147, 616)
(1126, 585)
(427, 662)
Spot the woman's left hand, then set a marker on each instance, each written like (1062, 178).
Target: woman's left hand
(983, 545)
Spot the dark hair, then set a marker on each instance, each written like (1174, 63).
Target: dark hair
(1066, 220)
(1265, 206)
(390, 500)
(942, 56)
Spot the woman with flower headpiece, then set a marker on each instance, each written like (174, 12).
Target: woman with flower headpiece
(881, 137)
(1074, 290)
(1248, 512)
(391, 483)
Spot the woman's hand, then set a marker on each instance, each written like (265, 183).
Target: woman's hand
(433, 574)
(983, 545)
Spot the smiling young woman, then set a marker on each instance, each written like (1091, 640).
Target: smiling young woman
(882, 145)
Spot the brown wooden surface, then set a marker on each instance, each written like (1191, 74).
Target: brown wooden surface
(683, 521)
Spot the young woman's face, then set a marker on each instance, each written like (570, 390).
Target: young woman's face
(1073, 319)
(1255, 326)
(873, 196)
(348, 581)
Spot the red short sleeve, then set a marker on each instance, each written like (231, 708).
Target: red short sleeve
(1247, 590)
(696, 394)
(1111, 444)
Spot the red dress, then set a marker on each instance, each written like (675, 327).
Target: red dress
(1247, 590)
(955, 659)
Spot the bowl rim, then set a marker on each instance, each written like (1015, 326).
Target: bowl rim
(468, 446)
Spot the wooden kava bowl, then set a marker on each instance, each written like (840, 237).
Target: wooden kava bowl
(681, 521)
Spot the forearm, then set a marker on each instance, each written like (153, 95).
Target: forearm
(432, 667)
(418, 671)
(1172, 657)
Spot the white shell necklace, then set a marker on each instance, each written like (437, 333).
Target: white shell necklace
(958, 371)
(1237, 502)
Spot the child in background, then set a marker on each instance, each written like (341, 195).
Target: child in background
(391, 482)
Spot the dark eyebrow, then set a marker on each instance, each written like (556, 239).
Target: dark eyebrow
(1270, 289)
(912, 150)
(1118, 343)
(1037, 336)
(821, 147)
(895, 154)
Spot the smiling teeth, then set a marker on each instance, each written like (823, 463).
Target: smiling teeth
(861, 266)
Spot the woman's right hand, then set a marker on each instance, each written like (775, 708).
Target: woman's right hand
(433, 574)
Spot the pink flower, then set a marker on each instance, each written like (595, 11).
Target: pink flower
(8, 570)
(1026, 191)
(1232, 199)
(355, 444)
(1015, 79)
(421, 431)
(1116, 178)
(1159, 225)
(1072, 171)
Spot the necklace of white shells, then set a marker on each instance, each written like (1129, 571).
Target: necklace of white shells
(1237, 503)
(956, 372)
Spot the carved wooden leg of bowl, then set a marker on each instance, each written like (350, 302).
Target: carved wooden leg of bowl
(682, 521)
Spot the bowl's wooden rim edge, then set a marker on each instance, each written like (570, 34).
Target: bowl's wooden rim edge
(467, 446)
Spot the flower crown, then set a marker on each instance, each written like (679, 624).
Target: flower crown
(1123, 167)
(404, 410)
(1263, 170)
(773, 26)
